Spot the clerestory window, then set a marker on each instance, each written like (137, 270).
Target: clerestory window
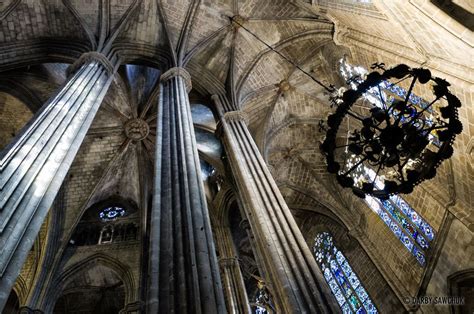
(343, 282)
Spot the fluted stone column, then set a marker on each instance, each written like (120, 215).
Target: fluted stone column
(234, 286)
(184, 275)
(290, 268)
(33, 167)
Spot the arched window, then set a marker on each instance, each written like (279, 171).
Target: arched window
(111, 213)
(344, 283)
(405, 223)
(107, 222)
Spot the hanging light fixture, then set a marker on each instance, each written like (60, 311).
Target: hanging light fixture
(396, 139)
(384, 137)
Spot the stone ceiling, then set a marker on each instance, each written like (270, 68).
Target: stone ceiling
(284, 106)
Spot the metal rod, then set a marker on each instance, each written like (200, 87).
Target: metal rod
(283, 56)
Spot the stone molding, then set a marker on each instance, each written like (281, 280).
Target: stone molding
(178, 71)
(235, 116)
(134, 307)
(28, 310)
(340, 32)
(89, 57)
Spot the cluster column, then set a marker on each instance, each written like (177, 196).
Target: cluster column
(290, 268)
(33, 166)
(184, 274)
(234, 286)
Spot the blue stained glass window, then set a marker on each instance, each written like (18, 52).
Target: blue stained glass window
(111, 213)
(343, 282)
(405, 223)
(382, 95)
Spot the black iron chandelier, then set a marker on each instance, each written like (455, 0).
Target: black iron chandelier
(384, 138)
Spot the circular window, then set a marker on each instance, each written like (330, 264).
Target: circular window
(111, 213)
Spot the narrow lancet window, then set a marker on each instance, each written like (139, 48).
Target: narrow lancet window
(344, 283)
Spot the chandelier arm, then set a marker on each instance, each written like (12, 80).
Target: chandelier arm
(377, 173)
(426, 108)
(400, 169)
(358, 142)
(405, 102)
(381, 98)
(355, 166)
(399, 81)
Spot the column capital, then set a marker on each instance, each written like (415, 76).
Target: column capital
(234, 116)
(178, 71)
(28, 310)
(89, 57)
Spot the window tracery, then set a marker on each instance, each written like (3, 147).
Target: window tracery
(111, 213)
(343, 282)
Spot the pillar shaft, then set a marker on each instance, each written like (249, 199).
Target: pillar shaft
(33, 167)
(184, 275)
(234, 286)
(290, 268)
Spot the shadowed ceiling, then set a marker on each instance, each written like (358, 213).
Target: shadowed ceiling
(283, 104)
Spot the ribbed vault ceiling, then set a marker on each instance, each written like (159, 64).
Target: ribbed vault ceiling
(283, 104)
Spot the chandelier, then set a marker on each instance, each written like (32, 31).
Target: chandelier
(384, 137)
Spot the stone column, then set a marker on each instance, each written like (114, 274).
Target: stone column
(234, 286)
(34, 165)
(290, 268)
(184, 275)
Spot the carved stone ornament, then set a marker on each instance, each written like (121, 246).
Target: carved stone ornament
(136, 129)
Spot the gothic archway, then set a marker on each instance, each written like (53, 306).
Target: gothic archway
(105, 283)
(461, 284)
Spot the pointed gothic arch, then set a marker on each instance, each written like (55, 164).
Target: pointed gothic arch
(98, 259)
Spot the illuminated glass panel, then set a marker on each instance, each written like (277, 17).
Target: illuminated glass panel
(382, 95)
(405, 223)
(343, 282)
(111, 213)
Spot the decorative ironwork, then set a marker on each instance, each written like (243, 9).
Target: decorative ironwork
(403, 137)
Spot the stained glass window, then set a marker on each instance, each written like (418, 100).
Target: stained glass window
(405, 223)
(343, 282)
(111, 213)
(382, 95)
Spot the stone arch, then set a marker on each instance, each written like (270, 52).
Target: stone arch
(123, 272)
(46, 51)
(221, 206)
(351, 245)
(461, 284)
(336, 228)
(15, 117)
(21, 289)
